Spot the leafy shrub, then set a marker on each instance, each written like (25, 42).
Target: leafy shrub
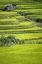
(38, 42)
(38, 0)
(3, 40)
(22, 13)
(7, 41)
(38, 20)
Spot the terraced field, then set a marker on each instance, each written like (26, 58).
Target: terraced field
(21, 22)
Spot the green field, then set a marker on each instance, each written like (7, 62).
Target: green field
(21, 54)
(20, 33)
(21, 23)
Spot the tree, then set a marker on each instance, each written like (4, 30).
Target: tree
(3, 40)
(11, 39)
(7, 41)
(38, 20)
(38, 0)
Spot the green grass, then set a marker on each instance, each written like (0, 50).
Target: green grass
(30, 6)
(21, 54)
(32, 28)
(9, 1)
(8, 12)
(8, 19)
(23, 23)
(17, 29)
(23, 36)
(28, 36)
(30, 10)
(14, 0)
(34, 16)
(24, 53)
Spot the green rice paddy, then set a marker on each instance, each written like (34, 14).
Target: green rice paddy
(21, 54)
(21, 23)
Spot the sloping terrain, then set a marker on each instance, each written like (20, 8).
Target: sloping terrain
(21, 23)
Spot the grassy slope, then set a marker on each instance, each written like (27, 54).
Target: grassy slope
(21, 23)
(9, 0)
(14, 0)
(21, 54)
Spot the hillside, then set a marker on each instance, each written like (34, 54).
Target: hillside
(24, 23)
(21, 32)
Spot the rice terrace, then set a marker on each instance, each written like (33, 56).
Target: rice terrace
(20, 31)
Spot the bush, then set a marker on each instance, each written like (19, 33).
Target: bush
(38, 42)
(7, 41)
(3, 41)
(38, 20)
(22, 13)
(38, 0)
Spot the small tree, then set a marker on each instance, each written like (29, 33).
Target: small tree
(3, 40)
(11, 39)
(38, 0)
(38, 20)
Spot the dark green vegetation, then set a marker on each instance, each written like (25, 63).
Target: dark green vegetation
(10, 40)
